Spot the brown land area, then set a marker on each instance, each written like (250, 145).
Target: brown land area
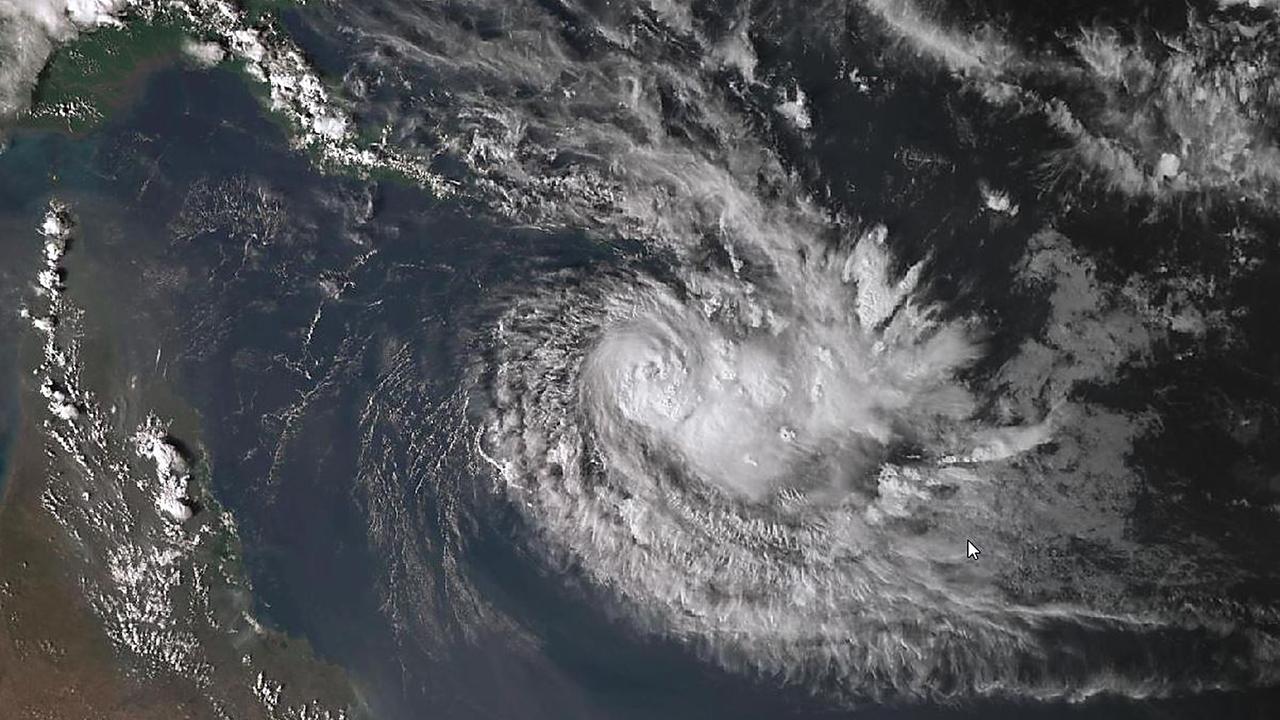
(55, 660)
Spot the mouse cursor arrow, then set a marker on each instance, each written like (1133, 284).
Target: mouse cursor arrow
(971, 551)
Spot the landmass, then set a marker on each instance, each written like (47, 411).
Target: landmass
(99, 71)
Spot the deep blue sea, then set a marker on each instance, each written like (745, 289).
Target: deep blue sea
(313, 572)
(277, 300)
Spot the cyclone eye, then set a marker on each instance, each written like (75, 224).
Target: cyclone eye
(806, 402)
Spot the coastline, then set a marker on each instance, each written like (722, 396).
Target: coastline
(54, 657)
(58, 651)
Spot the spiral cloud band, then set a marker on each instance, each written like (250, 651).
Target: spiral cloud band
(752, 400)
(784, 471)
(769, 434)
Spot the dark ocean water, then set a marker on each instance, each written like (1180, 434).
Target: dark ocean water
(8, 417)
(314, 572)
(280, 336)
(21, 184)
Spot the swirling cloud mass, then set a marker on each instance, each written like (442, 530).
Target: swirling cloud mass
(773, 443)
(769, 432)
(783, 472)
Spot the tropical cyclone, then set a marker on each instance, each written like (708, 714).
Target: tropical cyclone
(782, 474)
(768, 435)
(766, 440)
(746, 396)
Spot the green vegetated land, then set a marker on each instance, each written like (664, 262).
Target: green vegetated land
(100, 71)
(103, 70)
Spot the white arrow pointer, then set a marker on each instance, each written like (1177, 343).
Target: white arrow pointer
(971, 551)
